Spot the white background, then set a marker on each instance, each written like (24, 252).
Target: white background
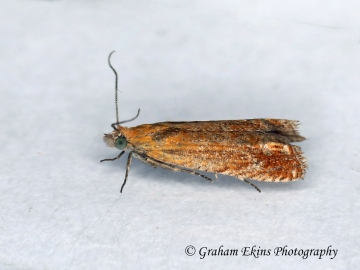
(177, 60)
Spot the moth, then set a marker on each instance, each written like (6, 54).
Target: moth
(257, 149)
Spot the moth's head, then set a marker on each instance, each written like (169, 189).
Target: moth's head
(115, 139)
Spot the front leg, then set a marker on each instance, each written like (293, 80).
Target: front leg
(112, 159)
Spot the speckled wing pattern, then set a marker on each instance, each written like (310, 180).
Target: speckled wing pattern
(258, 149)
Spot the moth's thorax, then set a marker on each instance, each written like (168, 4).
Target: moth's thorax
(110, 138)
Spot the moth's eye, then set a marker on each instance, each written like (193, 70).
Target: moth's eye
(120, 143)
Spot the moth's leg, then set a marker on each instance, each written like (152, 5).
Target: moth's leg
(115, 158)
(251, 184)
(127, 170)
(145, 160)
(157, 163)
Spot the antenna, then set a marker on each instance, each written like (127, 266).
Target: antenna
(116, 87)
(116, 98)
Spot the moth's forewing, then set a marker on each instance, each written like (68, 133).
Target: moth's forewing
(259, 149)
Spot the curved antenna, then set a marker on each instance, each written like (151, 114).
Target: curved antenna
(116, 89)
(122, 122)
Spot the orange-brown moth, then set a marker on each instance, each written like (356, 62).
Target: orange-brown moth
(257, 149)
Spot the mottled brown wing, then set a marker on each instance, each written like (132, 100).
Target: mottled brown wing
(259, 149)
(287, 128)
